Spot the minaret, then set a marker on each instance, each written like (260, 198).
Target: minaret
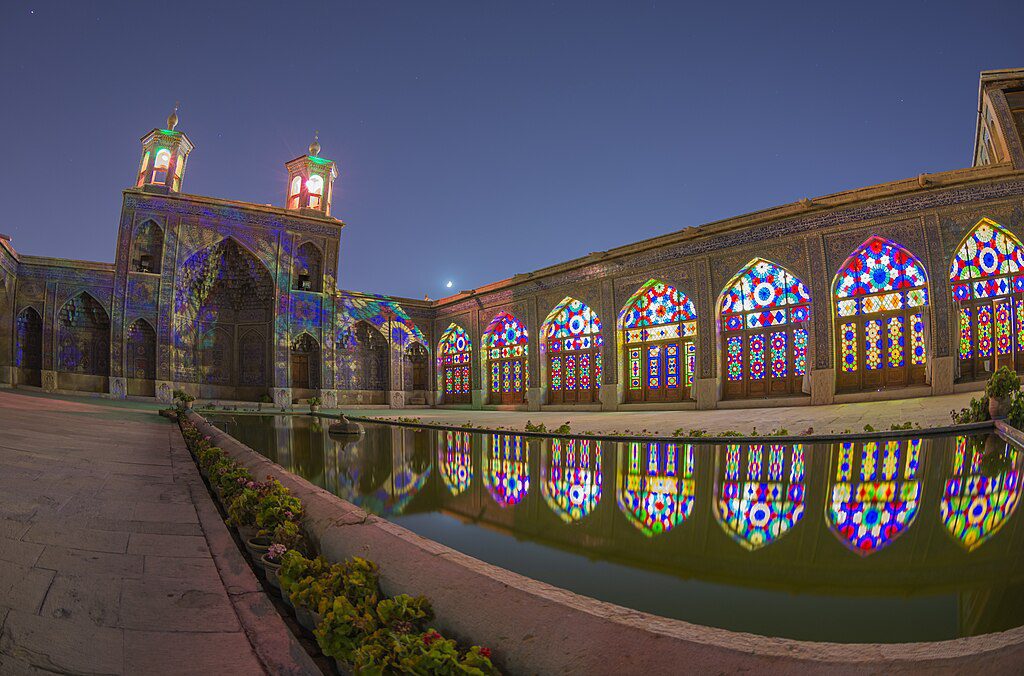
(164, 153)
(311, 181)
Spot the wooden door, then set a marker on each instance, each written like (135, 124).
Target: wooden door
(300, 370)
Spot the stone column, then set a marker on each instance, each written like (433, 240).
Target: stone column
(535, 393)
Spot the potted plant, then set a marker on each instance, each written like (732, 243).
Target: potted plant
(314, 404)
(271, 561)
(184, 400)
(264, 399)
(258, 546)
(1000, 387)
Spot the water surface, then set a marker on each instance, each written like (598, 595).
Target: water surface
(892, 541)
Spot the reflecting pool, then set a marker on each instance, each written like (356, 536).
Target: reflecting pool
(880, 541)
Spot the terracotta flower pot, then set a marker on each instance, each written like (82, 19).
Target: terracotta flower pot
(998, 407)
(314, 409)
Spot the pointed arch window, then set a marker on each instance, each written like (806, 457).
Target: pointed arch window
(308, 273)
(987, 276)
(656, 486)
(454, 369)
(760, 493)
(659, 326)
(161, 165)
(876, 492)
(315, 188)
(764, 313)
(147, 248)
(295, 192)
(505, 347)
(881, 301)
(571, 350)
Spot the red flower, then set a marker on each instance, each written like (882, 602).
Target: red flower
(431, 637)
(486, 652)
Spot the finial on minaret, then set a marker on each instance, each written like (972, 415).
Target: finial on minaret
(314, 147)
(172, 119)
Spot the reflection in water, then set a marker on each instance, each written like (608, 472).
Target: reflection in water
(571, 477)
(768, 501)
(506, 468)
(714, 509)
(870, 514)
(455, 460)
(974, 506)
(656, 487)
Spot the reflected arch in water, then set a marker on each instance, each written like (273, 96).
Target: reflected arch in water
(571, 477)
(655, 485)
(455, 460)
(976, 503)
(758, 499)
(387, 472)
(506, 468)
(872, 502)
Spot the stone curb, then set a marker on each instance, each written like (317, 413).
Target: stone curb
(275, 646)
(535, 627)
(710, 439)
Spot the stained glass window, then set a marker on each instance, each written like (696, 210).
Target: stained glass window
(571, 477)
(659, 326)
(764, 314)
(505, 345)
(881, 294)
(760, 494)
(455, 460)
(976, 504)
(572, 352)
(656, 486)
(876, 492)
(987, 277)
(454, 366)
(506, 468)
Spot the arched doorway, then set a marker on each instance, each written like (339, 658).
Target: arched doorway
(987, 278)
(454, 366)
(881, 304)
(83, 345)
(28, 347)
(417, 378)
(659, 333)
(505, 346)
(140, 356)
(764, 313)
(304, 365)
(571, 352)
(224, 312)
(367, 353)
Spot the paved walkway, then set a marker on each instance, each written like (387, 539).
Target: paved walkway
(113, 558)
(835, 418)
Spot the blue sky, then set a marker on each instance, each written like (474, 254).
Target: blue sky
(479, 139)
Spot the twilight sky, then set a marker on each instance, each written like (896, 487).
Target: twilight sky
(480, 139)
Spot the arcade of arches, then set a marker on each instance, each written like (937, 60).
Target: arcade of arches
(879, 312)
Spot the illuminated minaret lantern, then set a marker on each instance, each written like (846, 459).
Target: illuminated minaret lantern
(164, 154)
(311, 181)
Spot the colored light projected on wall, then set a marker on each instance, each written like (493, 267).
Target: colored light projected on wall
(656, 487)
(760, 496)
(455, 460)
(977, 501)
(376, 310)
(506, 468)
(876, 492)
(571, 477)
(83, 337)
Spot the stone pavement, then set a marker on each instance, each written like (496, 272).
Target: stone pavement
(113, 557)
(834, 418)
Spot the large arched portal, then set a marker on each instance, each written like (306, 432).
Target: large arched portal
(28, 347)
(224, 312)
(83, 345)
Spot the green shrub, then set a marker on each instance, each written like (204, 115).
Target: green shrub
(1002, 383)
(976, 411)
(405, 613)
(386, 652)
